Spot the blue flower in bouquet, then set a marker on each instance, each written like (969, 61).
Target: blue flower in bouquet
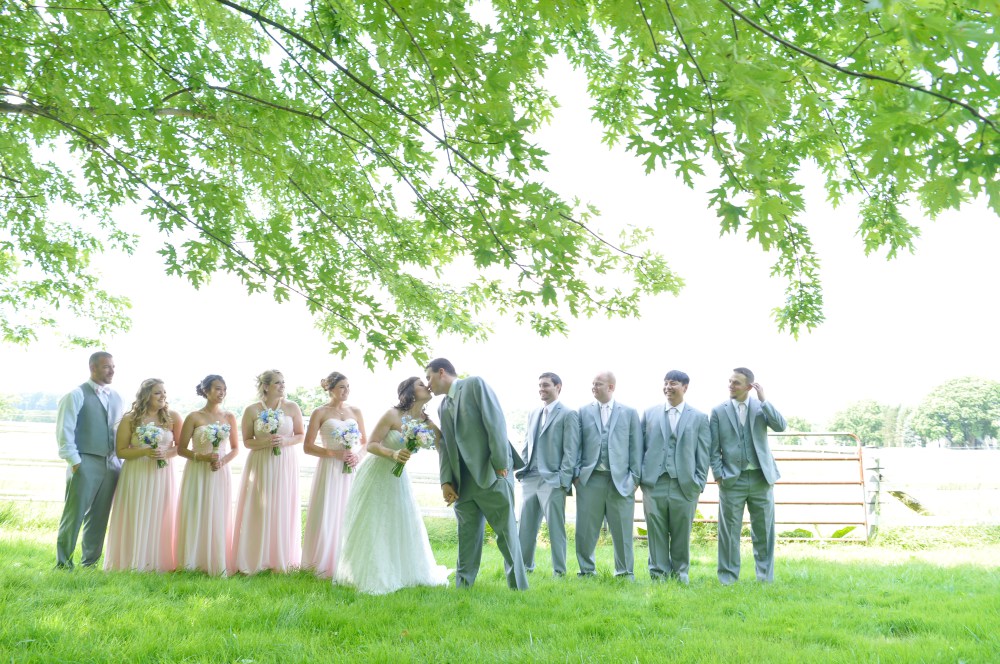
(418, 435)
(217, 433)
(151, 435)
(269, 421)
(350, 435)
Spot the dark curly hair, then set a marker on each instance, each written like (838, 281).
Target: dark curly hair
(206, 384)
(407, 393)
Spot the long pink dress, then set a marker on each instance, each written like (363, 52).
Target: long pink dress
(205, 514)
(331, 486)
(268, 528)
(141, 529)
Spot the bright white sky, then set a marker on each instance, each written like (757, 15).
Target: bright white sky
(894, 330)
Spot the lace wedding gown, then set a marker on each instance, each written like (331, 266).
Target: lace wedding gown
(331, 486)
(205, 515)
(385, 544)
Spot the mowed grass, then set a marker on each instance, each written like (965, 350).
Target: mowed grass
(916, 596)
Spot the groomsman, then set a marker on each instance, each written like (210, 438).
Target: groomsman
(607, 476)
(551, 448)
(674, 470)
(477, 464)
(85, 429)
(744, 467)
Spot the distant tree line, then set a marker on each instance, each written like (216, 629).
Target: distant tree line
(964, 412)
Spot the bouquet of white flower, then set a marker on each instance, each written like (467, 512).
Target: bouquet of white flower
(268, 421)
(151, 435)
(217, 433)
(350, 436)
(418, 435)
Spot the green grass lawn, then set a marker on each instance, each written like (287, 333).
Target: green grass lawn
(914, 596)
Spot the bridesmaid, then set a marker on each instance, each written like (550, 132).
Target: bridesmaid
(205, 515)
(268, 527)
(141, 531)
(331, 485)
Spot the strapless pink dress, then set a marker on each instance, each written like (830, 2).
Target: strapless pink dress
(205, 514)
(267, 532)
(141, 529)
(331, 486)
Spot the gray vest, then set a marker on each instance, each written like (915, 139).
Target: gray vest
(670, 451)
(749, 451)
(603, 462)
(95, 433)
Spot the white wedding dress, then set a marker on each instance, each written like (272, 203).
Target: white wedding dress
(385, 545)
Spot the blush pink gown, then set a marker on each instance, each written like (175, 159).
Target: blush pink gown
(141, 529)
(267, 532)
(331, 486)
(205, 514)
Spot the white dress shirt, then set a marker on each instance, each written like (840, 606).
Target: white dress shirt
(69, 409)
(676, 416)
(606, 409)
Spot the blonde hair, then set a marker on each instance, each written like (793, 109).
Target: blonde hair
(141, 403)
(265, 379)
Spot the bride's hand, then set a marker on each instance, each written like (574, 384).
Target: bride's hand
(350, 458)
(402, 456)
(276, 440)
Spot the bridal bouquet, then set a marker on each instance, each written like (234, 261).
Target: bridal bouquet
(417, 435)
(350, 436)
(150, 434)
(268, 421)
(217, 433)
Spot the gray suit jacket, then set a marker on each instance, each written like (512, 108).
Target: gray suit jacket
(624, 446)
(557, 447)
(691, 453)
(727, 452)
(474, 427)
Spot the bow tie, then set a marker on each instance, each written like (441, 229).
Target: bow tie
(102, 389)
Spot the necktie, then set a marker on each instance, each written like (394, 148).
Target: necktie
(743, 414)
(545, 417)
(672, 414)
(605, 414)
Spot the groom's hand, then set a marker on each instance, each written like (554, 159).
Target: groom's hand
(502, 473)
(450, 496)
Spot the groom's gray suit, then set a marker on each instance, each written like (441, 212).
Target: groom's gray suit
(674, 472)
(550, 454)
(475, 448)
(734, 448)
(85, 428)
(607, 494)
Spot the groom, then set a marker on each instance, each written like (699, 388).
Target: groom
(477, 461)
(85, 428)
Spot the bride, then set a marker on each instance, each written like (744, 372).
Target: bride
(385, 544)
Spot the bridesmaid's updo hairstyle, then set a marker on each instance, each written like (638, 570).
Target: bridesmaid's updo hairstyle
(265, 379)
(407, 394)
(141, 402)
(331, 381)
(206, 384)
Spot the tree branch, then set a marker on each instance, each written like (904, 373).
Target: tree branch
(857, 74)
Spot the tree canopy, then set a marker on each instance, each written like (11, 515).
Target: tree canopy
(963, 411)
(876, 424)
(364, 154)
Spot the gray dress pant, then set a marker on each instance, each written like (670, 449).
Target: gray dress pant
(669, 516)
(474, 508)
(543, 499)
(89, 492)
(750, 489)
(596, 501)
